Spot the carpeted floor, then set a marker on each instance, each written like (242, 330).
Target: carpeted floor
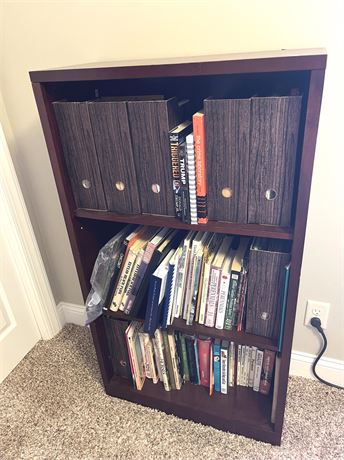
(53, 407)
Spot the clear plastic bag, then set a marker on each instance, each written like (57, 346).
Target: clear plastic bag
(101, 280)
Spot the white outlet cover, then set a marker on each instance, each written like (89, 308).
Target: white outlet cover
(319, 309)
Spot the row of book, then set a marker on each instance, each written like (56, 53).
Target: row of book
(213, 279)
(188, 163)
(234, 161)
(174, 358)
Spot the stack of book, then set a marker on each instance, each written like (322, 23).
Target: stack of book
(210, 278)
(174, 358)
(188, 161)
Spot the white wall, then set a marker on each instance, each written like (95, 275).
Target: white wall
(40, 35)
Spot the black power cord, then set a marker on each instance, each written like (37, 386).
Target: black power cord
(315, 322)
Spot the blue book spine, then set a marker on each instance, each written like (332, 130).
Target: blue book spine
(152, 313)
(217, 366)
(166, 301)
(284, 306)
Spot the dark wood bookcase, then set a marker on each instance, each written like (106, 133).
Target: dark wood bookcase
(242, 411)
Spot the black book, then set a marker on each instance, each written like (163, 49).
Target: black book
(191, 356)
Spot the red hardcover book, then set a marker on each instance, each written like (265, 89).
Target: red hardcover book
(204, 348)
(267, 371)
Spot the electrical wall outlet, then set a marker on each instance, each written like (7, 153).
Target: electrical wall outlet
(317, 309)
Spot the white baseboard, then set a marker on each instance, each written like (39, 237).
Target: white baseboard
(301, 363)
(71, 313)
(329, 369)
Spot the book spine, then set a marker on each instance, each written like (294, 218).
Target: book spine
(171, 305)
(151, 318)
(184, 192)
(239, 365)
(197, 361)
(150, 355)
(200, 160)
(267, 371)
(181, 280)
(156, 359)
(223, 294)
(168, 360)
(233, 287)
(252, 366)
(224, 370)
(217, 366)
(130, 357)
(163, 368)
(231, 365)
(191, 359)
(131, 281)
(248, 357)
(242, 302)
(204, 361)
(176, 183)
(184, 358)
(196, 284)
(213, 295)
(120, 262)
(175, 361)
(127, 267)
(258, 370)
(190, 156)
(143, 342)
(150, 248)
(204, 294)
(167, 300)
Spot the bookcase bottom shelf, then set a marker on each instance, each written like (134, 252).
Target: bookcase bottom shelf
(242, 411)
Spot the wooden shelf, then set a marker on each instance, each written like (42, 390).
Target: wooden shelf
(268, 231)
(241, 411)
(242, 338)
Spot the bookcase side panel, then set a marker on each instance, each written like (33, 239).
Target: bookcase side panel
(83, 242)
(304, 186)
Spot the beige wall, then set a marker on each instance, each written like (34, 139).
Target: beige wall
(39, 35)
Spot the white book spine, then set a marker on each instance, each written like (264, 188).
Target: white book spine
(171, 304)
(243, 361)
(239, 366)
(213, 297)
(156, 359)
(252, 366)
(258, 370)
(190, 158)
(150, 356)
(204, 295)
(223, 294)
(224, 370)
(160, 348)
(247, 365)
(231, 365)
(181, 280)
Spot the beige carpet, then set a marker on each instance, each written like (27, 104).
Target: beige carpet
(53, 407)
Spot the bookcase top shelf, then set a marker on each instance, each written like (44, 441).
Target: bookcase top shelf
(272, 61)
(242, 337)
(268, 231)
